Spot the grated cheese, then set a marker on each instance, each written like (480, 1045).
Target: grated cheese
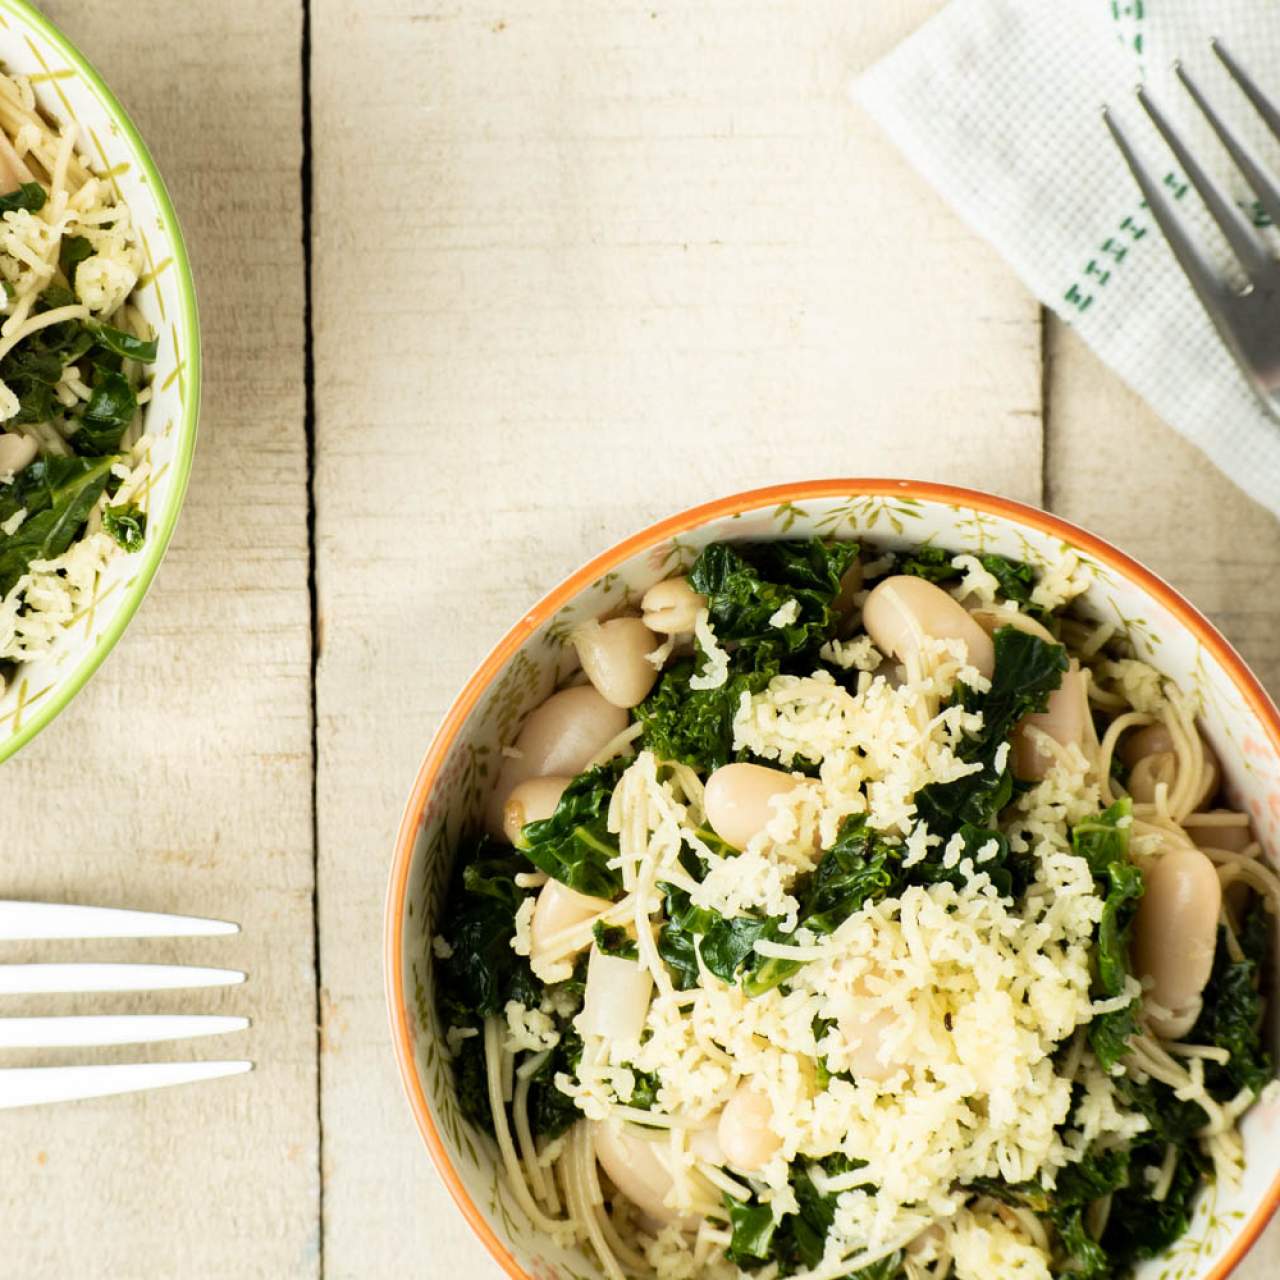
(984, 1246)
(786, 614)
(715, 668)
(1062, 581)
(978, 586)
(857, 654)
(530, 1029)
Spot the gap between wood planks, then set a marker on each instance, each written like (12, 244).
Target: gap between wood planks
(309, 432)
(1046, 489)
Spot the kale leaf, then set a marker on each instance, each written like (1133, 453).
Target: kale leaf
(695, 726)
(1099, 1173)
(678, 944)
(753, 1227)
(574, 846)
(127, 524)
(71, 253)
(1017, 579)
(1139, 1226)
(798, 1240)
(111, 408)
(30, 196)
(860, 867)
(58, 494)
(613, 940)
(482, 972)
(1089, 1260)
(550, 1111)
(124, 344)
(931, 563)
(1027, 670)
(743, 593)
(745, 587)
(471, 1081)
(1231, 1017)
(1104, 839)
(723, 942)
(1103, 842)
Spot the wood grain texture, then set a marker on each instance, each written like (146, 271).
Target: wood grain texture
(180, 779)
(576, 265)
(1117, 469)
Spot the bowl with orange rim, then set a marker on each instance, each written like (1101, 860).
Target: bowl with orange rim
(452, 789)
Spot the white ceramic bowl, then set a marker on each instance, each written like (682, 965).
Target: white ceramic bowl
(69, 89)
(1236, 715)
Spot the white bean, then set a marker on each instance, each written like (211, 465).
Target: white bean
(16, 452)
(1175, 933)
(614, 656)
(616, 999)
(864, 1029)
(1234, 839)
(558, 740)
(671, 607)
(1065, 719)
(534, 800)
(1151, 758)
(705, 1143)
(902, 611)
(636, 1167)
(559, 908)
(744, 1132)
(739, 800)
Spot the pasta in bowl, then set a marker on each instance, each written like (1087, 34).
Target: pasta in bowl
(855, 879)
(99, 372)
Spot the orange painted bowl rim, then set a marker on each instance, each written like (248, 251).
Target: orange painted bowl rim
(686, 521)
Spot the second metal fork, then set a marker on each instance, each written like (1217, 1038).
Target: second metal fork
(1248, 318)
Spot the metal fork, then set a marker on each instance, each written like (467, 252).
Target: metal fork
(1248, 318)
(26, 1086)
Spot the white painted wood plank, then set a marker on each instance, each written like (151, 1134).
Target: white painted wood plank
(180, 779)
(579, 264)
(1117, 469)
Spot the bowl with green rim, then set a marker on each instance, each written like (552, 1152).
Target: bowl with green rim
(69, 90)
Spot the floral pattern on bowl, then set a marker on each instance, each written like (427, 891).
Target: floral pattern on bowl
(1236, 716)
(69, 89)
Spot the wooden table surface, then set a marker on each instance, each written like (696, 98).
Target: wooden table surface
(485, 285)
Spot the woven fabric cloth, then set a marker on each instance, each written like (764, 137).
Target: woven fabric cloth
(998, 104)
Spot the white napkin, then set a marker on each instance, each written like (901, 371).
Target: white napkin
(998, 104)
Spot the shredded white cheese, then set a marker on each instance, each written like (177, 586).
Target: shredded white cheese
(715, 668)
(786, 614)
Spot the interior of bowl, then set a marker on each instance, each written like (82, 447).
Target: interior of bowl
(1234, 713)
(69, 90)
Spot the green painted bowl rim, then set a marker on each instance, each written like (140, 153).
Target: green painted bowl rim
(160, 532)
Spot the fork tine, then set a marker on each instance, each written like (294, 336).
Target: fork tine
(28, 1086)
(1193, 262)
(1256, 174)
(1264, 182)
(145, 1028)
(1244, 240)
(48, 979)
(22, 921)
(1261, 103)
